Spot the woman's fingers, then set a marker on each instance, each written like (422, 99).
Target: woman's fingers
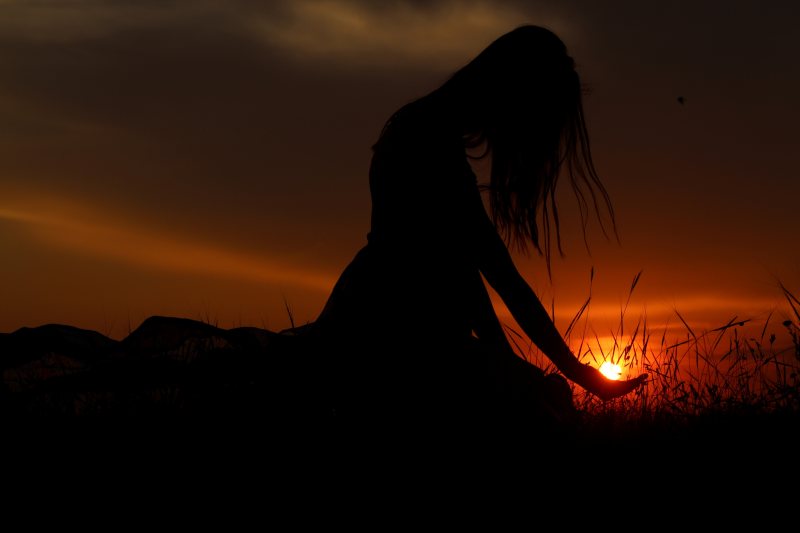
(612, 389)
(593, 381)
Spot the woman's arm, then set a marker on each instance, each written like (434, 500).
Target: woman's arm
(499, 270)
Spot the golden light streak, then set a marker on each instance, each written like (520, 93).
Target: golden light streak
(82, 230)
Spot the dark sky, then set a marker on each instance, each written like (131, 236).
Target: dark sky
(209, 159)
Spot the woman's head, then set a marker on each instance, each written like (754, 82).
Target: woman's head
(522, 96)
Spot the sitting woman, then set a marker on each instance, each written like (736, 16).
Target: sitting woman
(409, 327)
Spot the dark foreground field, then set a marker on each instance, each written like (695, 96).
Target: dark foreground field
(181, 384)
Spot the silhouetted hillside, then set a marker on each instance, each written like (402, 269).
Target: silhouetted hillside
(166, 367)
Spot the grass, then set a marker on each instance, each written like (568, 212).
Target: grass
(716, 373)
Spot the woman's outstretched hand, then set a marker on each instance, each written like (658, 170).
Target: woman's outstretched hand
(593, 381)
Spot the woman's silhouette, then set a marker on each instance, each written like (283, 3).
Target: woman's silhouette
(409, 326)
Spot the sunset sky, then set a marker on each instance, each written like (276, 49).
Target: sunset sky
(208, 159)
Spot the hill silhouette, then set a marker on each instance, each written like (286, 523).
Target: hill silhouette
(166, 367)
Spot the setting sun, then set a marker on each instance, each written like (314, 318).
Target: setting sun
(610, 370)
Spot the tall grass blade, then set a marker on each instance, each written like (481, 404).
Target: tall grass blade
(791, 299)
(577, 316)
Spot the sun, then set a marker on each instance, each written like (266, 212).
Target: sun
(610, 370)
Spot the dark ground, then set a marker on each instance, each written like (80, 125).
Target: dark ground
(185, 393)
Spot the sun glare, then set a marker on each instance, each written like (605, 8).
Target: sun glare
(610, 370)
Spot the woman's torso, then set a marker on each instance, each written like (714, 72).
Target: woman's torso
(418, 272)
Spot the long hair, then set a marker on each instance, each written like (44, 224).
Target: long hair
(523, 98)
